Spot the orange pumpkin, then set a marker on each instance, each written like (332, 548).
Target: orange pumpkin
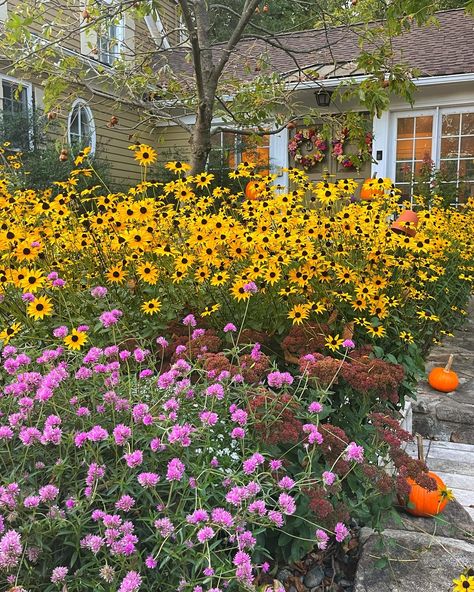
(368, 190)
(444, 379)
(252, 190)
(422, 502)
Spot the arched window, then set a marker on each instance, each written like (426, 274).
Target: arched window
(81, 127)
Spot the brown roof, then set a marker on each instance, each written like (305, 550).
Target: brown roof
(447, 48)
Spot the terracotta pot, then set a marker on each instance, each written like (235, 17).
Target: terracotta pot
(406, 223)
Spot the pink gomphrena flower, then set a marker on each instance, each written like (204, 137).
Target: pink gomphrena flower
(255, 354)
(222, 517)
(348, 343)
(151, 562)
(198, 333)
(275, 465)
(148, 479)
(328, 478)
(278, 379)
(35, 244)
(321, 539)
(237, 433)
(59, 283)
(164, 526)
(315, 407)
(208, 571)
(83, 328)
(61, 332)
(287, 504)
(258, 507)
(175, 470)
(109, 318)
(161, 341)
(313, 433)
(53, 276)
(59, 574)
(354, 452)
(276, 518)
(10, 549)
(197, 516)
(48, 493)
(28, 297)
(230, 328)
(204, 534)
(265, 567)
(131, 582)
(133, 459)
(250, 465)
(125, 503)
(189, 321)
(341, 532)
(251, 288)
(286, 483)
(99, 292)
(208, 418)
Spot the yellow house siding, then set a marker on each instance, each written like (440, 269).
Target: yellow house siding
(174, 143)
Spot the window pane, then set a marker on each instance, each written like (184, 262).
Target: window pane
(424, 125)
(450, 125)
(449, 168)
(404, 149)
(405, 127)
(467, 126)
(466, 169)
(403, 172)
(423, 149)
(467, 146)
(449, 147)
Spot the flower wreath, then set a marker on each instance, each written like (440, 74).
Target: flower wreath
(310, 139)
(347, 159)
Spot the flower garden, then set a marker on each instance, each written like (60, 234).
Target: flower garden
(198, 387)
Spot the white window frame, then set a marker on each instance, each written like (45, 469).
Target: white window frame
(84, 105)
(29, 99)
(109, 57)
(437, 113)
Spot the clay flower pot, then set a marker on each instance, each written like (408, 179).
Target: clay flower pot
(406, 223)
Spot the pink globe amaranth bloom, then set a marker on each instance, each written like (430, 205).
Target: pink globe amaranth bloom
(354, 452)
(222, 517)
(208, 418)
(99, 292)
(215, 390)
(265, 567)
(286, 483)
(328, 478)
(109, 318)
(204, 534)
(230, 328)
(175, 470)
(133, 459)
(348, 343)
(251, 288)
(10, 549)
(125, 503)
(28, 297)
(255, 354)
(151, 562)
(32, 501)
(148, 479)
(237, 433)
(276, 518)
(70, 503)
(278, 379)
(321, 539)
(48, 493)
(131, 582)
(6, 433)
(197, 516)
(121, 434)
(189, 321)
(313, 433)
(257, 507)
(83, 328)
(97, 434)
(164, 526)
(315, 407)
(275, 465)
(61, 332)
(59, 574)
(251, 464)
(341, 531)
(287, 504)
(161, 341)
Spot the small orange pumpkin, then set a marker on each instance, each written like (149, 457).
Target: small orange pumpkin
(444, 379)
(368, 191)
(252, 190)
(422, 502)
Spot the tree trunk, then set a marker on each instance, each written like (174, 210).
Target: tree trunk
(201, 138)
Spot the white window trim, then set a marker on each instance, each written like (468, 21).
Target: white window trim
(437, 113)
(84, 104)
(3, 10)
(157, 31)
(119, 43)
(29, 97)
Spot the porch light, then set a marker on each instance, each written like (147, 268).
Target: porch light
(323, 97)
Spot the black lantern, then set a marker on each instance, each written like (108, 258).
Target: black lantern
(323, 97)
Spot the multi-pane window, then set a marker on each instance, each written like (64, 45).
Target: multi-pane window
(435, 148)
(15, 116)
(457, 151)
(110, 42)
(413, 150)
(229, 150)
(81, 127)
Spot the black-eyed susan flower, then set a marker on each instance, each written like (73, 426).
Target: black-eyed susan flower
(406, 337)
(333, 342)
(116, 274)
(299, 313)
(40, 307)
(208, 311)
(76, 339)
(464, 583)
(145, 155)
(378, 331)
(148, 272)
(177, 166)
(10, 332)
(203, 180)
(151, 307)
